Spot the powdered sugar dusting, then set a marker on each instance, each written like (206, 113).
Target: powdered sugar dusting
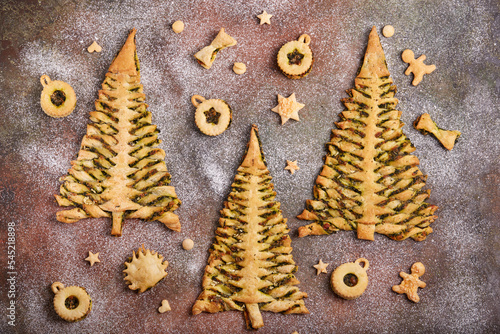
(51, 37)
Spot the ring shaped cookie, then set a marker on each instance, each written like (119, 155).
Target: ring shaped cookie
(72, 303)
(350, 280)
(58, 98)
(295, 58)
(212, 116)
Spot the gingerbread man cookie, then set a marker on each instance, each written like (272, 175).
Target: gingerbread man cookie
(411, 282)
(417, 66)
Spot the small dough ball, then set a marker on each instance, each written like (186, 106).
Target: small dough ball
(188, 244)
(178, 27)
(239, 68)
(388, 31)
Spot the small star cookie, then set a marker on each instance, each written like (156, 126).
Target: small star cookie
(320, 267)
(292, 166)
(264, 18)
(287, 108)
(93, 258)
(411, 282)
(416, 66)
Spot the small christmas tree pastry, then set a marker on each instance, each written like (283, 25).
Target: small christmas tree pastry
(426, 125)
(120, 172)
(212, 116)
(251, 267)
(58, 98)
(71, 303)
(144, 269)
(206, 56)
(350, 280)
(411, 282)
(295, 58)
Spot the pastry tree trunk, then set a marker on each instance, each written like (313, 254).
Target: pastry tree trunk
(370, 181)
(250, 267)
(120, 172)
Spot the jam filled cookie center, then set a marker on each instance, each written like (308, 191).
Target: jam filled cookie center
(71, 302)
(58, 97)
(350, 280)
(212, 116)
(295, 57)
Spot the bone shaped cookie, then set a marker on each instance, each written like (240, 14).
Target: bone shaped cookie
(426, 125)
(206, 56)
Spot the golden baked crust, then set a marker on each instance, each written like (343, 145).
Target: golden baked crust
(144, 270)
(370, 182)
(120, 172)
(251, 267)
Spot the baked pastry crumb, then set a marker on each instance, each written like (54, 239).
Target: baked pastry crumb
(388, 31)
(178, 27)
(188, 244)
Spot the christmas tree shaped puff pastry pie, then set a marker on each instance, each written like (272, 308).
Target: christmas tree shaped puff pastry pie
(251, 267)
(120, 172)
(370, 182)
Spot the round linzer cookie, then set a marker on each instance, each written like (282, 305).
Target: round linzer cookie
(350, 280)
(71, 303)
(58, 98)
(295, 58)
(212, 116)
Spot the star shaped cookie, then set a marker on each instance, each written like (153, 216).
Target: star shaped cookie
(320, 267)
(292, 166)
(287, 108)
(93, 258)
(264, 18)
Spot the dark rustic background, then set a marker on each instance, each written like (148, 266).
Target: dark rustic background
(461, 256)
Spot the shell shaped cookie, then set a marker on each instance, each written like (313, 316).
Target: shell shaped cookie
(212, 116)
(58, 98)
(71, 303)
(350, 280)
(144, 270)
(295, 58)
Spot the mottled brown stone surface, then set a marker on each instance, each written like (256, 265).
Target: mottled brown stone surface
(461, 257)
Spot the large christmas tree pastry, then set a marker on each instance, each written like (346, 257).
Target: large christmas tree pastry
(370, 182)
(120, 172)
(250, 267)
